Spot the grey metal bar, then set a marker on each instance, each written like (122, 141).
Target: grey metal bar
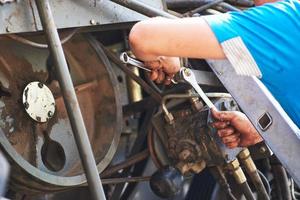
(70, 100)
(143, 8)
(281, 134)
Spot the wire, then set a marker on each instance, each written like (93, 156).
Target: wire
(265, 181)
(39, 45)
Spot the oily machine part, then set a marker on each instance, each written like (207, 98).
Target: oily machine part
(43, 155)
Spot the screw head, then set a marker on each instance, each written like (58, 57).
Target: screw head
(50, 114)
(41, 85)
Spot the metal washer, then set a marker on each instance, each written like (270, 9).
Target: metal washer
(38, 101)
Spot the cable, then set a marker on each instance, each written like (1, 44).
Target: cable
(265, 181)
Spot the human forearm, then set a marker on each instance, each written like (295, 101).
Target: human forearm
(189, 37)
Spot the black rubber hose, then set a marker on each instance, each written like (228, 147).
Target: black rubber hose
(247, 191)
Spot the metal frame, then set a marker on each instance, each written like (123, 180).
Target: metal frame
(282, 135)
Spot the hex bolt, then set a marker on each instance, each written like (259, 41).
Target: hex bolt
(187, 72)
(41, 85)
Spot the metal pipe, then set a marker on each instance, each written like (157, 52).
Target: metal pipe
(70, 100)
(202, 8)
(251, 169)
(229, 7)
(125, 180)
(127, 163)
(99, 47)
(143, 8)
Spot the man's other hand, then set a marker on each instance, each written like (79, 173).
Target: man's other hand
(235, 129)
(163, 69)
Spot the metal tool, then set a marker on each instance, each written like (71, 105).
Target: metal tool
(125, 58)
(187, 75)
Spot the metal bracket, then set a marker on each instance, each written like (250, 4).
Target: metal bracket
(265, 113)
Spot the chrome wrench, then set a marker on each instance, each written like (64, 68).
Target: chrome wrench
(125, 58)
(187, 75)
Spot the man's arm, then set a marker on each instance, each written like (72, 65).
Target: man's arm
(188, 37)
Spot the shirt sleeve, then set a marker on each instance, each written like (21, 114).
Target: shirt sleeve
(271, 34)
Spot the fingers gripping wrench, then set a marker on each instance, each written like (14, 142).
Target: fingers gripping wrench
(185, 74)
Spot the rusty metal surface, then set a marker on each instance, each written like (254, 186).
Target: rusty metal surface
(189, 142)
(24, 140)
(22, 16)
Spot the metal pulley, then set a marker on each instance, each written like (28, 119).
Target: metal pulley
(44, 156)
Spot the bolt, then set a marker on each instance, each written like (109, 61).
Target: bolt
(262, 149)
(38, 119)
(50, 114)
(187, 72)
(93, 22)
(26, 105)
(41, 85)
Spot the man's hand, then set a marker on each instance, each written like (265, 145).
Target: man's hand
(163, 69)
(235, 129)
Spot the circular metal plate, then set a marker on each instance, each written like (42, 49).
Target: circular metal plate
(38, 101)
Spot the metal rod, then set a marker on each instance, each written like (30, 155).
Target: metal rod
(128, 72)
(70, 100)
(125, 180)
(143, 8)
(127, 163)
(202, 8)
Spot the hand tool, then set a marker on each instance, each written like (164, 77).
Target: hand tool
(187, 75)
(184, 75)
(125, 58)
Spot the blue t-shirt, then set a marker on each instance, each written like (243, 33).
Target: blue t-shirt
(272, 35)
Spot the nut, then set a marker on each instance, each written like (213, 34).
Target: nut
(233, 164)
(244, 153)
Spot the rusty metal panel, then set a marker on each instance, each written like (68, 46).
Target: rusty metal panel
(22, 16)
